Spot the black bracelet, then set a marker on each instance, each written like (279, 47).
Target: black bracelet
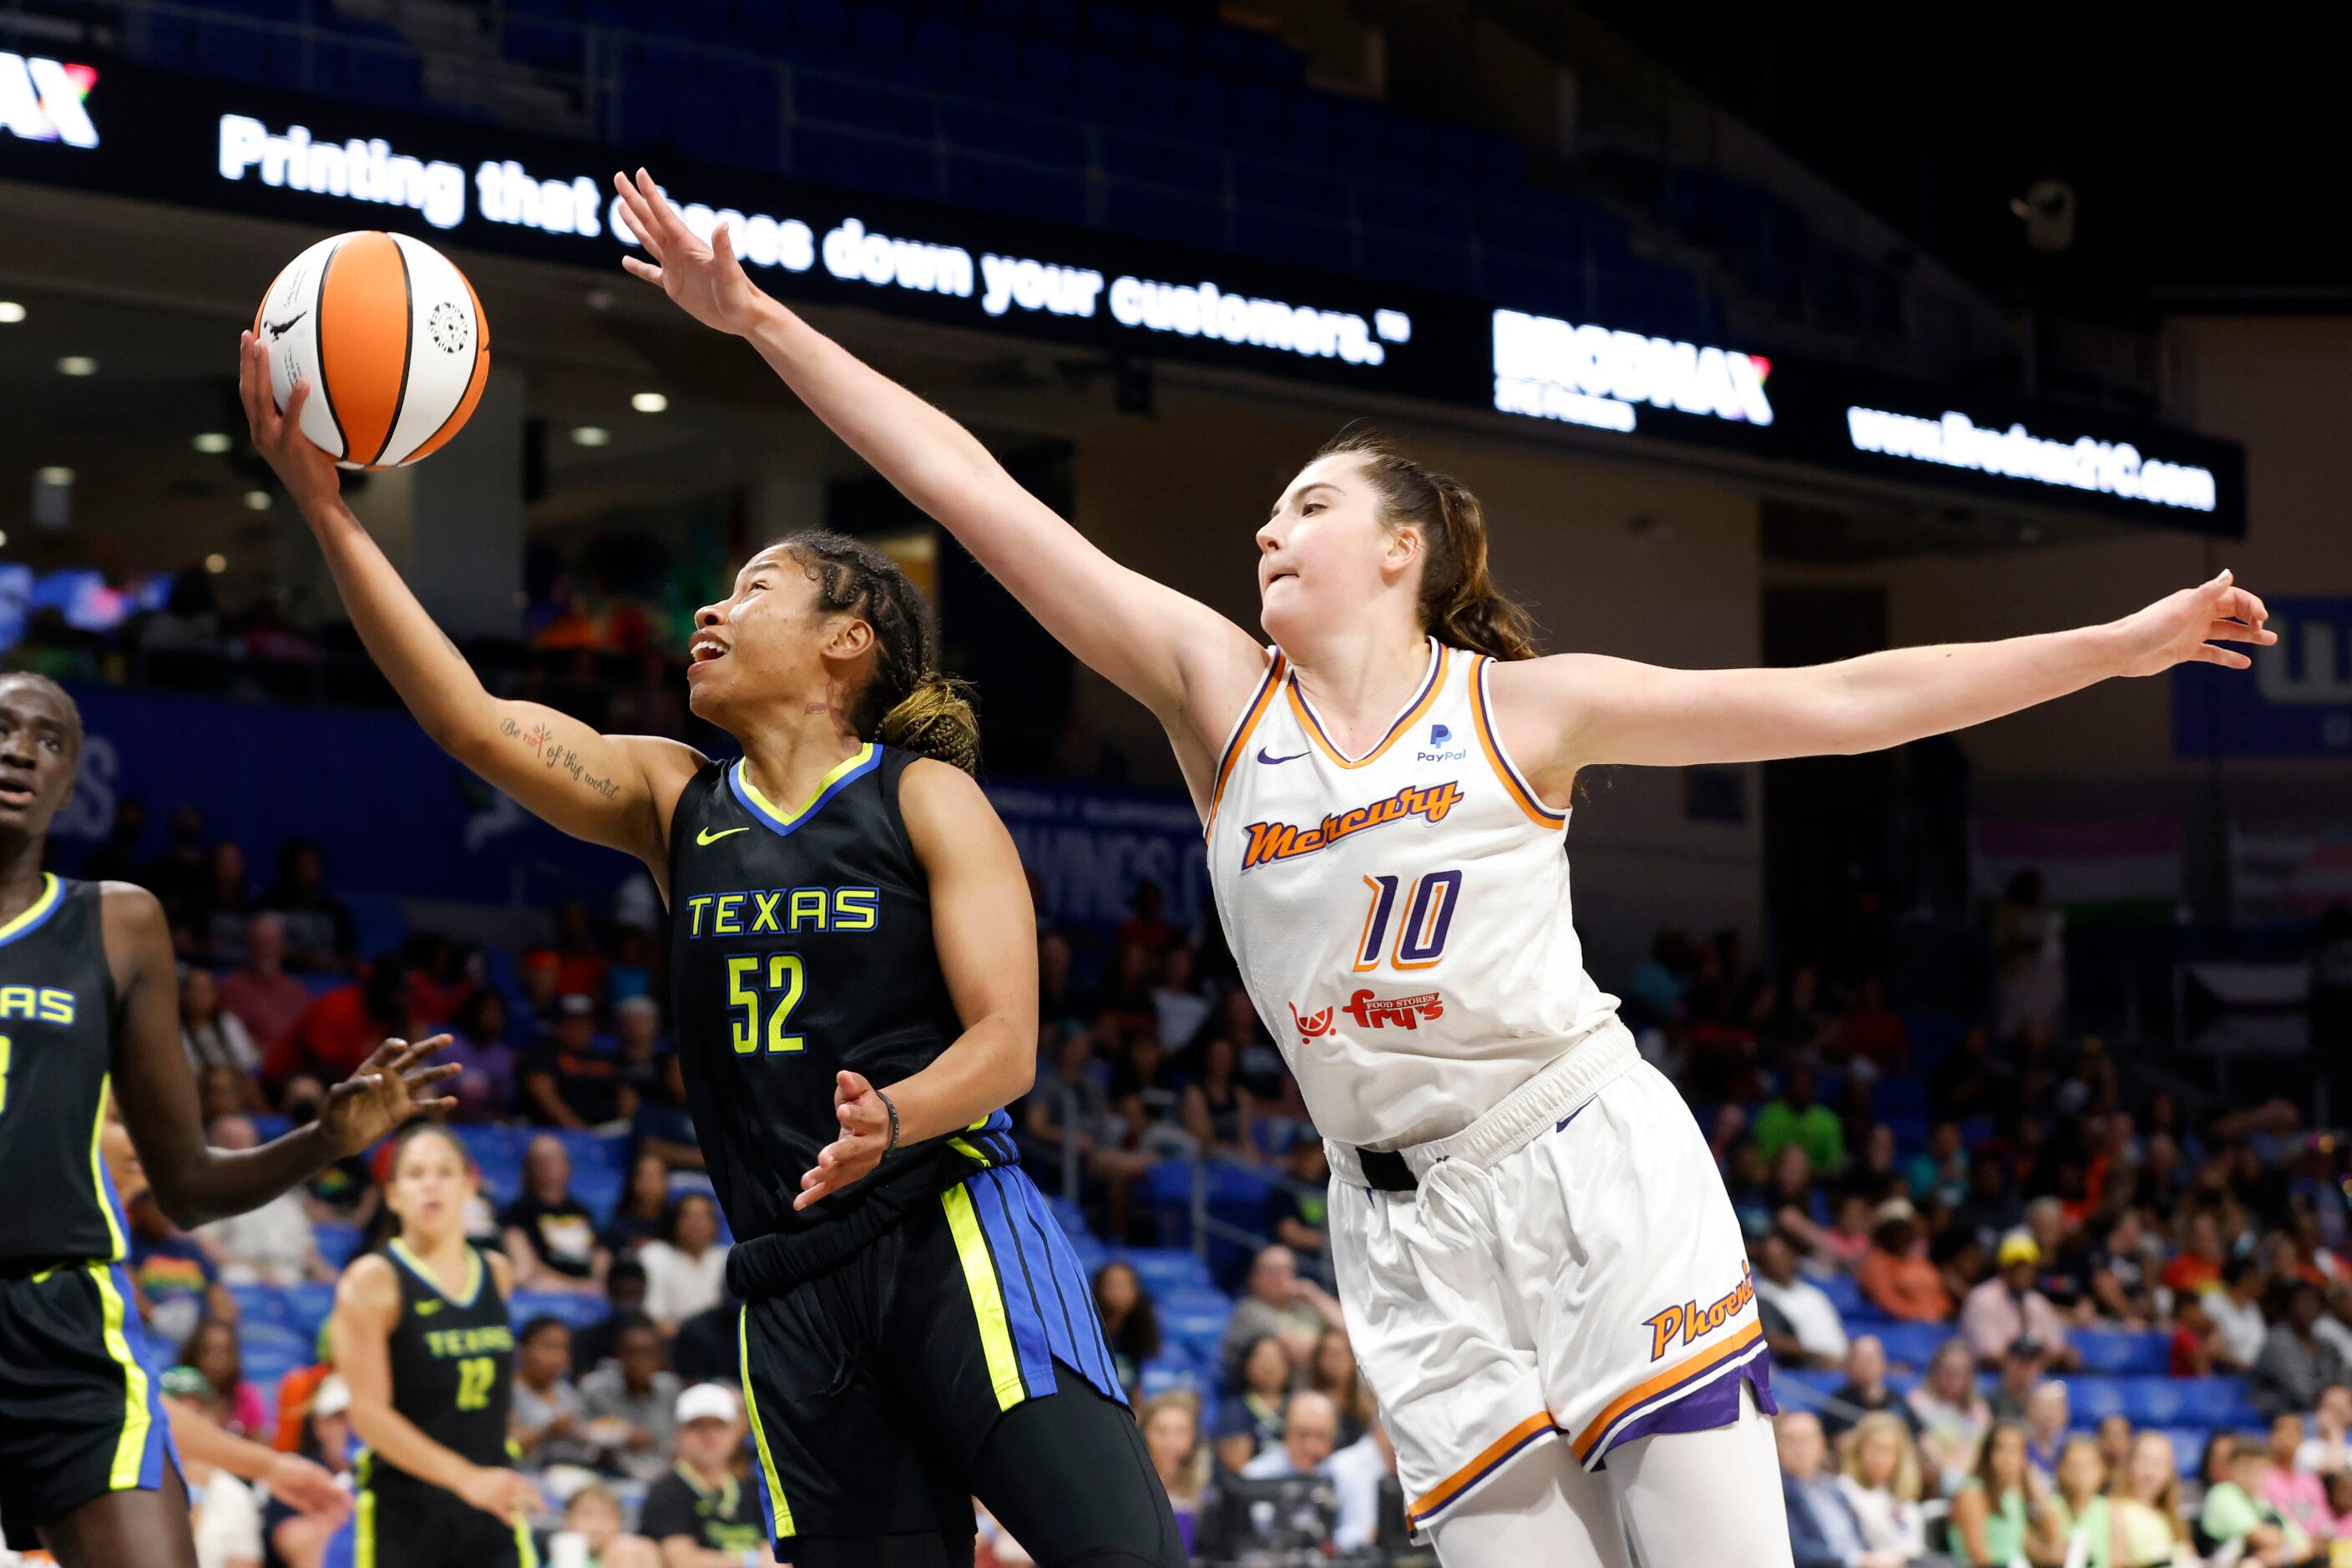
(890, 1148)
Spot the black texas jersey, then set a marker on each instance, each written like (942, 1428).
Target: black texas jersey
(800, 945)
(452, 1358)
(56, 1063)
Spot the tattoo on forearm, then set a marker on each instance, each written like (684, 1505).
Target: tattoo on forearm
(551, 753)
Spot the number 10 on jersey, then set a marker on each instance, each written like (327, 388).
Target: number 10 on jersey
(1428, 917)
(775, 994)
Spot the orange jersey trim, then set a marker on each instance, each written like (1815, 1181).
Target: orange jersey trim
(1268, 684)
(1529, 802)
(1681, 1371)
(1314, 726)
(1493, 1454)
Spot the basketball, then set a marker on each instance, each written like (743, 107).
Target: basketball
(391, 336)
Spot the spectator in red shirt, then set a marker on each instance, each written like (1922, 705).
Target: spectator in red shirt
(336, 1033)
(259, 991)
(1871, 1031)
(580, 966)
(2198, 1267)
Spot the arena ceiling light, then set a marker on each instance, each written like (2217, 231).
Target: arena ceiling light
(77, 365)
(11, 313)
(594, 434)
(212, 443)
(648, 402)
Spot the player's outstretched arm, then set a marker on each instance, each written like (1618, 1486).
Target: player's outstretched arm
(367, 1309)
(192, 1181)
(984, 930)
(1575, 711)
(614, 789)
(1192, 667)
(301, 1484)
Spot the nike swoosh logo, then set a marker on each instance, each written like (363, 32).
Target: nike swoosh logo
(1270, 761)
(426, 1308)
(706, 837)
(278, 329)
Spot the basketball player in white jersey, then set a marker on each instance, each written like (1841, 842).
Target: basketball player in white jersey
(1542, 1275)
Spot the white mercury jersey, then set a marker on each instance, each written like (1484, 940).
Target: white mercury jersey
(1400, 918)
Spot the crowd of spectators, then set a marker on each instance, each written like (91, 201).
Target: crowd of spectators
(1953, 1218)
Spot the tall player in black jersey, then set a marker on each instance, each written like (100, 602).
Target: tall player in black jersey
(422, 1341)
(855, 989)
(89, 1009)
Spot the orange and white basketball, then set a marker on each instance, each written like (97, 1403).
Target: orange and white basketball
(391, 338)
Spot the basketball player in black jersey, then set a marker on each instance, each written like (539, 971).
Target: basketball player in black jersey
(90, 1008)
(855, 989)
(421, 1338)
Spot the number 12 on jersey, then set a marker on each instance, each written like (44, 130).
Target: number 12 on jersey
(1420, 938)
(777, 997)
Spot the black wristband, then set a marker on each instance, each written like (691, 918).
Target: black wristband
(891, 1147)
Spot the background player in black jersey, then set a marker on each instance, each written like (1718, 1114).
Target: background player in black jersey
(855, 989)
(422, 1340)
(90, 1010)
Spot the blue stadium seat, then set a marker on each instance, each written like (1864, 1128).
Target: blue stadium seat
(379, 923)
(258, 1305)
(578, 1311)
(309, 1305)
(1845, 1294)
(2148, 1401)
(2119, 1351)
(2187, 1447)
(1069, 1216)
(1912, 1344)
(1165, 1373)
(1166, 1268)
(1090, 1253)
(2094, 1399)
(2215, 1401)
(337, 1242)
(1194, 1317)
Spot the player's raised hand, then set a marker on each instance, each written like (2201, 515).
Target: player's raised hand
(864, 1136)
(308, 473)
(2191, 625)
(701, 276)
(306, 1486)
(387, 1091)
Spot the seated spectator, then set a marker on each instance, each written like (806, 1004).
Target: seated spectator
(1250, 1420)
(272, 1244)
(1220, 1112)
(1870, 1031)
(485, 1084)
(177, 876)
(1824, 1531)
(1840, 1246)
(338, 1031)
(1800, 1321)
(2049, 1414)
(1297, 1207)
(581, 962)
(2295, 1492)
(223, 1513)
(1130, 1326)
(2196, 1347)
(1991, 1524)
(1280, 1302)
(300, 1539)
(2236, 1309)
(116, 858)
(2201, 1261)
(702, 1514)
(550, 1422)
(2020, 1374)
(2063, 1271)
(644, 1208)
(2296, 1363)
(1881, 1482)
(2123, 1273)
(2144, 1515)
(2008, 1308)
(1795, 1117)
(625, 1293)
(548, 1234)
(319, 936)
(1864, 1392)
(1333, 1372)
(222, 1091)
(705, 1348)
(2327, 1450)
(1068, 1118)
(1178, 1004)
(2077, 1504)
(631, 1403)
(660, 1124)
(213, 1351)
(1952, 1416)
(572, 1076)
(1147, 1093)
(211, 1037)
(2237, 1514)
(176, 1280)
(258, 992)
(1310, 1430)
(1939, 1176)
(1896, 1273)
(1171, 1436)
(594, 1514)
(686, 1268)
(217, 920)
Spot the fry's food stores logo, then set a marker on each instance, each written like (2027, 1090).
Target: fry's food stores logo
(1370, 1012)
(42, 99)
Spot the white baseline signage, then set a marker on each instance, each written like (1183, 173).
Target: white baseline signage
(1956, 441)
(1550, 368)
(504, 192)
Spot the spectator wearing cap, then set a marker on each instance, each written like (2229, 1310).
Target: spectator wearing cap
(1896, 1272)
(224, 1516)
(550, 1234)
(2020, 1374)
(2296, 1363)
(572, 1076)
(631, 1402)
(702, 1513)
(1800, 1319)
(2010, 1307)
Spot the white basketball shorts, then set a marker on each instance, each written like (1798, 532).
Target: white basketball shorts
(1570, 1269)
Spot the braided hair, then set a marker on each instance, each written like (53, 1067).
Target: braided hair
(908, 703)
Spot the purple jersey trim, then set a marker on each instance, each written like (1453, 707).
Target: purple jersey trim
(1701, 1409)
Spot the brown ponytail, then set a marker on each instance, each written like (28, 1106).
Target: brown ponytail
(1459, 602)
(907, 703)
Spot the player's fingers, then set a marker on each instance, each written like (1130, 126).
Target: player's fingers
(440, 1107)
(2227, 658)
(722, 246)
(295, 401)
(417, 1052)
(2242, 631)
(665, 215)
(641, 225)
(633, 204)
(424, 1077)
(636, 269)
(252, 385)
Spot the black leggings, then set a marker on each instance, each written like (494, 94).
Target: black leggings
(1067, 1477)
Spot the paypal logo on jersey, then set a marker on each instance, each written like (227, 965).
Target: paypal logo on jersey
(1438, 735)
